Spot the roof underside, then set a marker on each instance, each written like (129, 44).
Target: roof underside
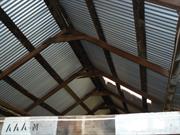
(75, 96)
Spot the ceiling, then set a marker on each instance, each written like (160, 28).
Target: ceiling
(55, 54)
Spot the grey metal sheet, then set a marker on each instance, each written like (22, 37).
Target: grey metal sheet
(77, 111)
(157, 85)
(160, 23)
(81, 86)
(13, 97)
(32, 17)
(10, 48)
(62, 59)
(117, 20)
(33, 77)
(176, 101)
(93, 101)
(79, 15)
(39, 111)
(102, 112)
(60, 100)
(96, 56)
(127, 71)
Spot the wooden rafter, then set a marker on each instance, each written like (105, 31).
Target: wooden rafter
(64, 22)
(139, 20)
(101, 36)
(74, 35)
(174, 72)
(27, 44)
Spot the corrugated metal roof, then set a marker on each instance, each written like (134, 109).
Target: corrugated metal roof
(77, 111)
(157, 84)
(13, 97)
(117, 20)
(60, 100)
(93, 101)
(39, 111)
(96, 56)
(160, 27)
(81, 86)
(127, 71)
(62, 58)
(102, 112)
(79, 15)
(33, 77)
(33, 18)
(10, 48)
(176, 100)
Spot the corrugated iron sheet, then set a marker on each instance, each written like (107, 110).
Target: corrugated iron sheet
(32, 17)
(13, 97)
(160, 33)
(79, 15)
(60, 100)
(102, 112)
(117, 20)
(62, 58)
(81, 86)
(10, 48)
(39, 111)
(77, 111)
(176, 101)
(127, 71)
(157, 85)
(33, 77)
(96, 56)
(93, 101)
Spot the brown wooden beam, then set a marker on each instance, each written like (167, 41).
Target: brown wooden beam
(136, 59)
(25, 92)
(174, 4)
(98, 72)
(64, 21)
(101, 36)
(139, 20)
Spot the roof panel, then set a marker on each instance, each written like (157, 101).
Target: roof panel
(81, 86)
(33, 18)
(13, 97)
(127, 71)
(93, 101)
(117, 20)
(10, 48)
(39, 111)
(79, 15)
(33, 77)
(96, 56)
(157, 84)
(77, 111)
(160, 23)
(62, 58)
(60, 100)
